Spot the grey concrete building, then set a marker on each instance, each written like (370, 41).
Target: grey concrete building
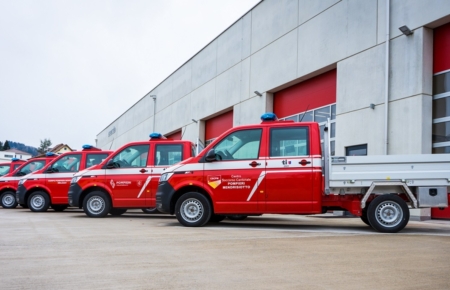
(343, 59)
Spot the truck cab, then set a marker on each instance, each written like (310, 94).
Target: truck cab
(7, 167)
(128, 178)
(272, 167)
(49, 185)
(9, 182)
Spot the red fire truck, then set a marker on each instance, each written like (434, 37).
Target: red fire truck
(278, 167)
(49, 185)
(9, 182)
(128, 178)
(7, 167)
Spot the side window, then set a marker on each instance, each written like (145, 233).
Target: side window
(133, 156)
(168, 154)
(94, 159)
(67, 163)
(16, 166)
(31, 167)
(4, 169)
(293, 141)
(239, 145)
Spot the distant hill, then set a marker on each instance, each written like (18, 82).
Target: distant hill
(19, 146)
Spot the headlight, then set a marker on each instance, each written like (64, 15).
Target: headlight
(22, 181)
(75, 179)
(165, 176)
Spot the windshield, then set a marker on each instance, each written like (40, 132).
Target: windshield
(4, 169)
(31, 167)
(67, 163)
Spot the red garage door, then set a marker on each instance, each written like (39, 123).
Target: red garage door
(441, 100)
(217, 125)
(175, 136)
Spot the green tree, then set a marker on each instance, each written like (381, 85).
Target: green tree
(45, 145)
(6, 146)
(1, 146)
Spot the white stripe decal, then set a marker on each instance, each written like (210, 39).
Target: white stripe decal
(258, 182)
(145, 185)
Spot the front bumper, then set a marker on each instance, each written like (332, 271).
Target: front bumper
(20, 194)
(74, 195)
(164, 196)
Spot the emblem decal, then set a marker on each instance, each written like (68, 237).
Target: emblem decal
(214, 181)
(112, 183)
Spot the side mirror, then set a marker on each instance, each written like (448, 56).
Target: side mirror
(210, 156)
(49, 170)
(110, 164)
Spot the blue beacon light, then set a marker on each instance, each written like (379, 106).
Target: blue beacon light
(87, 146)
(269, 117)
(155, 136)
(49, 154)
(15, 159)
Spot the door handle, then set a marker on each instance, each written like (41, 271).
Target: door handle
(254, 164)
(143, 170)
(304, 162)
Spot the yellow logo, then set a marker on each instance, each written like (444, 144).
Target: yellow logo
(214, 181)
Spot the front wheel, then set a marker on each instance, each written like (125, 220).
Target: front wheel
(117, 211)
(388, 213)
(38, 201)
(193, 209)
(8, 200)
(96, 204)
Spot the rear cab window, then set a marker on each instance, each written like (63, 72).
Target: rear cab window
(168, 154)
(94, 159)
(67, 163)
(289, 141)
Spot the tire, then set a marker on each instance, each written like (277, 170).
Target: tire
(59, 207)
(388, 213)
(237, 217)
(215, 218)
(193, 209)
(96, 204)
(364, 216)
(117, 211)
(150, 210)
(8, 200)
(38, 201)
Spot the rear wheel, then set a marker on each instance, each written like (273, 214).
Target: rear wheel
(193, 209)
(150, 210)
(364, 216)
(38, 201)
(8, 200)
(237, 217)
(96, 204)
(117, 211)
(59, 207)
(388, 213)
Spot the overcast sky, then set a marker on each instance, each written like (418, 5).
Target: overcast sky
(70, 68)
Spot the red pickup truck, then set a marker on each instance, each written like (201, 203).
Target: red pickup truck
(9, 182)
(49, 185)
(128, 178)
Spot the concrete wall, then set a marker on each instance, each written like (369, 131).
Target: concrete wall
(282, 42)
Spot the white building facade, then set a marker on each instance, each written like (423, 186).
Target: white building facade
(386, 91)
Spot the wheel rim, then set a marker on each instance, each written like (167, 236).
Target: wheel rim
(37, 201)
(96, 204)
(8, 199)
(389, 213)
(192, 210)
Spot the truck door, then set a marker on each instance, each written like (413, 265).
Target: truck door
(237, 176)
(58, 178)
(127, 180)
(289, 176)
(166, 155)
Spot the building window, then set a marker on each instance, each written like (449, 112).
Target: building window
(357, 150)
(319, 115)
(441, 112)
(9, 156)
